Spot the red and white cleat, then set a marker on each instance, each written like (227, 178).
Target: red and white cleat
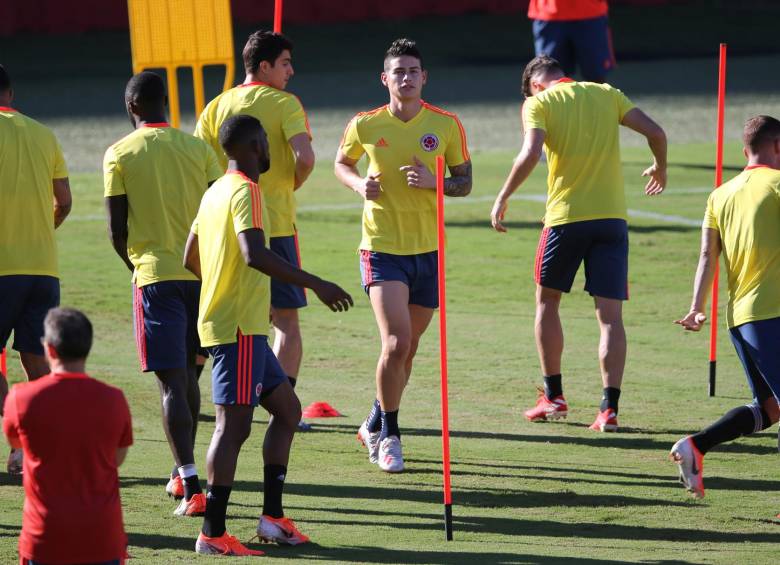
(606, 421)
(279, 530)
(175, 487)
(690, 461)
(223, 545)
(547, 409)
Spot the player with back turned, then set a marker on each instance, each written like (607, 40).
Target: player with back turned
(742, 223)
(226, 249)
(398, 257)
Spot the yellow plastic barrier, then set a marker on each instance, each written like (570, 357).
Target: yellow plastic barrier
(171, 34)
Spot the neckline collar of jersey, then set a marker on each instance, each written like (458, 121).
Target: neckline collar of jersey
(254, 83)
(423, 106)
(564, 80)
(68, 375)
(156, 125)
(7, 109)
(758, 166)
(239, 173)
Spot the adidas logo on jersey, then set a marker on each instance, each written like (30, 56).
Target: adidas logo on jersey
(382, 143)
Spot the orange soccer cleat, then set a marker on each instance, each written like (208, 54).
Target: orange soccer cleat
(223, 545)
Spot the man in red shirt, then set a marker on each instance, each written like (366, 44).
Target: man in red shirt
(75, 432)
(576, 33)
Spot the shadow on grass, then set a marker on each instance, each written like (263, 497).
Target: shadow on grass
(696, 166)
(616, 440)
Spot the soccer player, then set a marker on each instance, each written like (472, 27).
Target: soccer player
(75, 432)
(398, 258)
(226, 249)
(741, 222)
(154, 179)
(576, 33)
(36, 199)
(577, 124)
(268, 64)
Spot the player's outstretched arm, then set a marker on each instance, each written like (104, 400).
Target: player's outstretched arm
(705, 273)
(346, 171)
(117, 210)
(304, 157)
(258, 256)
(63, 201)
(640, 122)
(522, 167)
(192, 255)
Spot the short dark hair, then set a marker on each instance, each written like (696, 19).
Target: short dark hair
(69, 331)
(5, 80)
(760, 130)
(238, 130)
(146, 89)
(404, 46)
(264, 46)
(540, 65)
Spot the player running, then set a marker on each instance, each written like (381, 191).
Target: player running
(226, 249)
(154, 179)
(577, 124)
(36, 199)
(741, 222)
(398, 258)
(268, 64)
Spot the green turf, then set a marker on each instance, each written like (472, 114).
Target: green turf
(523, 493)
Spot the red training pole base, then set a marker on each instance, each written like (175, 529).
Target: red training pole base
(448, 521)
(712, 378)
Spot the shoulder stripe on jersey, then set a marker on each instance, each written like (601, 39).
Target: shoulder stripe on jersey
(360, 115)
(463, 145)
(257, 206)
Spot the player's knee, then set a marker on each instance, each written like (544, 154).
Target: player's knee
(397, 347)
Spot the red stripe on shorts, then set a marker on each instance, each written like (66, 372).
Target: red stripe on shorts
(365, 256)
(140, 334)
(249, 370)
(540, 255)
(239, 368)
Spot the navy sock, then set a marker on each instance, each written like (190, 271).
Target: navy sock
(740, 421)
(553, 386)
(216, 509)
(390, 425)
(273, 485)
(175, 472)
(191, 486)
(610, 398)
(374, 419)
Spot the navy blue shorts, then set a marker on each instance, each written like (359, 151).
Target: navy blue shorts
(601, 244)
(286, 295)
(419, 272)
(24, 302)
(758, 347)
(166, 324)
(584, 43)
(243, 370)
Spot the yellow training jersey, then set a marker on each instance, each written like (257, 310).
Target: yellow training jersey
(746, 212)
(164, 173)
(30, 158)
(582, 144)
(233, 295)
(402, 220)
(282, 117)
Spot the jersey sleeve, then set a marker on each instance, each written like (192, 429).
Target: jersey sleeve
(11, 420)
(350, 142)
(246, 207)
(207, 130)
(710, 220)
(294, 120)
(213, 168)
(457, 151)
(194, 227)
(123, 411)
(113, 182)
(60, 168)
(623, 103)
(533, 115)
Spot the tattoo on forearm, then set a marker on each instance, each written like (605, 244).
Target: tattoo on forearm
(459, 183)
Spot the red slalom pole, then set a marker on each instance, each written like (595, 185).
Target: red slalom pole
(3, 364)
(445, 412)
(718, 182)
(278, 16)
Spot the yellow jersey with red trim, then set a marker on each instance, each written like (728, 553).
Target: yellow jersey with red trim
(163, 172)
(233, 296)
(402, 221)
(30, 158)
(282, 117)
(746, 213)
(581, 121)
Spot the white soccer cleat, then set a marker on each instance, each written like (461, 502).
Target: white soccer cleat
(370, 441)
(691, 464)
(390, 458)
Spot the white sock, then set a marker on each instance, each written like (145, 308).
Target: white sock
(187, 471)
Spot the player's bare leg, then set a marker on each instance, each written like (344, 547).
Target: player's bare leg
(34, 365)
(288, 346)
(420, 318)
(612, 359)
(550, 405)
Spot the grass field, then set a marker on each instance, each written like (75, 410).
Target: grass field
(523, 493)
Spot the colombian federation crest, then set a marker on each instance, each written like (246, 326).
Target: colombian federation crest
(429, 142)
